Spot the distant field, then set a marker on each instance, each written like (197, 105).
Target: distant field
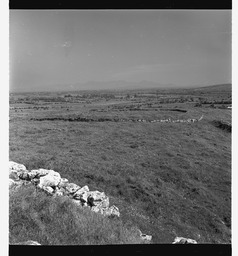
(169, 179)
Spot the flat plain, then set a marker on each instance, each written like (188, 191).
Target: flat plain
(168, 177)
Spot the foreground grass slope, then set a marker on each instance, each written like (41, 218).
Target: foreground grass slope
(169, 179)
(57, 221)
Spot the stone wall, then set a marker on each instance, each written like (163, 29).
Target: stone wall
(53, 184)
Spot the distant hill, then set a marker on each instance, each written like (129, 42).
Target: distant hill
(217, 87)
(117, 85)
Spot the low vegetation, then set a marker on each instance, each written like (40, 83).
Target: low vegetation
(57, 221)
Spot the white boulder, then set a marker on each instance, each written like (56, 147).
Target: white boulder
(48, 189)
(72, 188)
(112, 211)
(97, 209)
(144, 236)
(15, 167)
(63, 182)
(52, 179)
(183, 240)
(38, 173)
(17, 170)
(59, 191)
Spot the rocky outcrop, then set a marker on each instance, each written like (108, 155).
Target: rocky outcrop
(52, 183)
(15, 167)
(38, 173)
(29, 242)
(71, 188)
(144, 236)
(51, 179)
(182, 240)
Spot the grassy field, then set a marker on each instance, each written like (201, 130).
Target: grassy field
(168, 179)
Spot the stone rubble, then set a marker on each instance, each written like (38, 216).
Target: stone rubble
(52, 179)
(15, 167)
(182, 240)
(52, 183)
(37, 173)
(71, 188)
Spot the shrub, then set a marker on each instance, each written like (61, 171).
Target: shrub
(34, 215)
(222, 125)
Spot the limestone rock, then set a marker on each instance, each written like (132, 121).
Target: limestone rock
(182, 240)
(102, 210)
(72, 188)
(51, 182)
(29, 242)
(38, 173)
(63, 182)
(23, 175)
(144, 236)
(101, 204)
(81, 193)
(84, 198)
(13, 166)
(13, 176)
(16, 169)
(96, 197)
(112, 211)
(97, 209)
(35, 181)
(59, 191)
(52, 179)
(48, 189)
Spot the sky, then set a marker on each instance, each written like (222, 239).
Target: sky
(180, 47)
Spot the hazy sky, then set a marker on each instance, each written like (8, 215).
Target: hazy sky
(165, 46)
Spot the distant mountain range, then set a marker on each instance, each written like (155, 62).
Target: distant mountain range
(97, 85)
(106, 85)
